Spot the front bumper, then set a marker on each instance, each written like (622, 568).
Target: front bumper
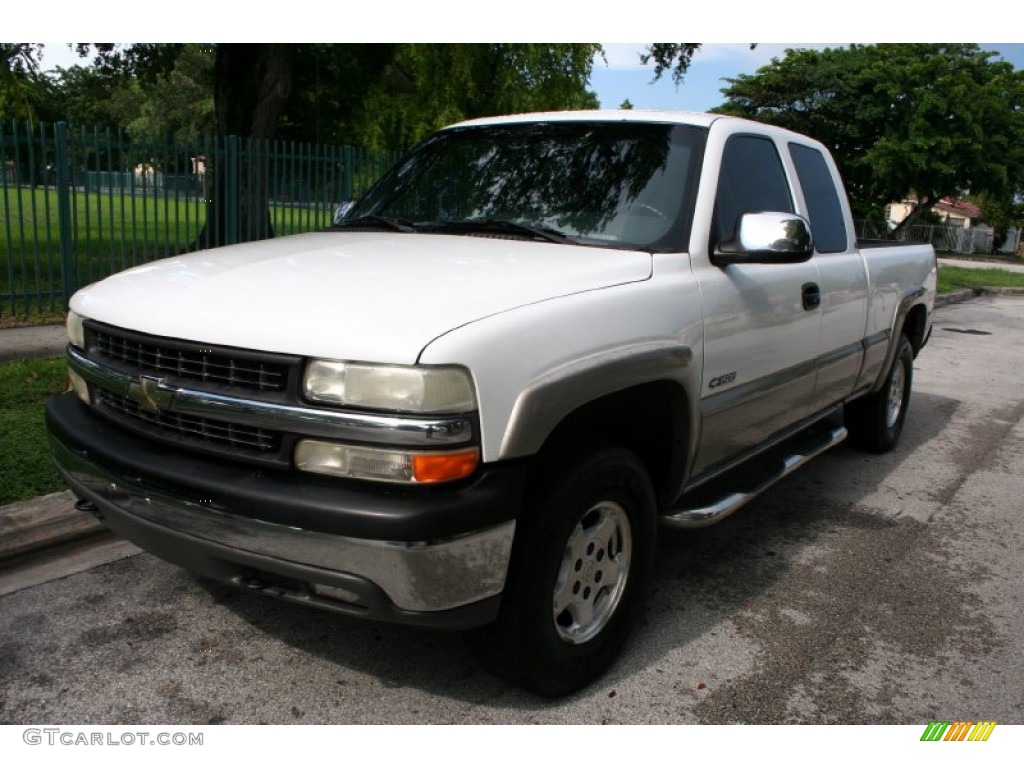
(432, 557)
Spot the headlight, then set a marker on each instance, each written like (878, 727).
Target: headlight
(76, 332)
(412, 389)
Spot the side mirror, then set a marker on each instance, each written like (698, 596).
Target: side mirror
(766, 238)
(341, 210)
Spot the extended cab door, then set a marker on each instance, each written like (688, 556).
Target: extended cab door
(842, 275)
(762, 327)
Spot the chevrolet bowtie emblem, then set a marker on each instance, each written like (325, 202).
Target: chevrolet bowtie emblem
(151, 394)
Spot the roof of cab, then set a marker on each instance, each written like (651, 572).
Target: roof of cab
(600, 115)
(698, 119)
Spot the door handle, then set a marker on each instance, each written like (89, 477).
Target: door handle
(811, 294)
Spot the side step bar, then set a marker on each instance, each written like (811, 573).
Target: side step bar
(699, 517)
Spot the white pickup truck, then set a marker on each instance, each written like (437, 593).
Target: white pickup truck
(471, 403)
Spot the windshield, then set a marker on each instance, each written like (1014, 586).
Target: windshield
(619, 184)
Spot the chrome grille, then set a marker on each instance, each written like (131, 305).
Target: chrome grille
(156, 356)
(191, 428)
(227, 371)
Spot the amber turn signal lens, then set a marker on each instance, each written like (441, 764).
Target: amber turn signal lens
(443, 467)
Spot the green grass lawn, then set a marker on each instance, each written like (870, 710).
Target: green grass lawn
(25, 467)
(955, 278)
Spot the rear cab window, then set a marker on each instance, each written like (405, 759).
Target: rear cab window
(828, 225)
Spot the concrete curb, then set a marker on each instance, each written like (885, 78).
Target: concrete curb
(26, 527)
(965, 294)
(954, 298)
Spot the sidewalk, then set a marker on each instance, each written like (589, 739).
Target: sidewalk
(1006, 264)
(34, 341)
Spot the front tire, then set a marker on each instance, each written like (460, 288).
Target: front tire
(579, 570)
(875, 422)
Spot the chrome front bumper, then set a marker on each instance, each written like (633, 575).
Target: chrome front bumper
(453, 582)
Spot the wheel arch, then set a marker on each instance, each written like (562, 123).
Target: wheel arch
(911, 319)
(641, 403)
(915, 326)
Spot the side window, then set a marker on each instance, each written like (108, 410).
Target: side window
(823, 206)
(752, 179)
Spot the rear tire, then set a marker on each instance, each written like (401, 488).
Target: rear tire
(580, 565)
(875, 422)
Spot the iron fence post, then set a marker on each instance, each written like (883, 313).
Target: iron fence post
(346, 170)
(64, 223)
(231, 188)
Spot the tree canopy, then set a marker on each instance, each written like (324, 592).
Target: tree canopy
(21, 84)
(933, 120)
(373, 95)
(670, 57)
(380, 96)
(423, 87)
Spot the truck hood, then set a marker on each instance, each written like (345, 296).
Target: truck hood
(348, 295)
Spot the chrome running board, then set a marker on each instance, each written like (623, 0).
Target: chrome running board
(701, 516)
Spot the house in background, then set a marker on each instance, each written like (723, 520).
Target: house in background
(953, 212)
(959, 212)
(960, 230)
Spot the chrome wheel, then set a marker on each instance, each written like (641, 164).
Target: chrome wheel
(593, 573)
(894, 403)
(875, 421)
(580, 564)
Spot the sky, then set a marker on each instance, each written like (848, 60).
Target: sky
(619, 75)
(624, 77)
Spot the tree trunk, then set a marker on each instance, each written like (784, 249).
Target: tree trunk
(253, 82)
(924, 204)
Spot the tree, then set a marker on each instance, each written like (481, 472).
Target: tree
(178, 103)
(935, 120)
(386, 96)
(999, 212)
(89, 96)
(395, 94)
(378, 95)
(21, 85)
(390, 96)
(670, 57)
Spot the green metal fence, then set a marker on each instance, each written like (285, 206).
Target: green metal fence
(78, 204)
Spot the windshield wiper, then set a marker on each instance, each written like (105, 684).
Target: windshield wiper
(499, 225)
(373, 220)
